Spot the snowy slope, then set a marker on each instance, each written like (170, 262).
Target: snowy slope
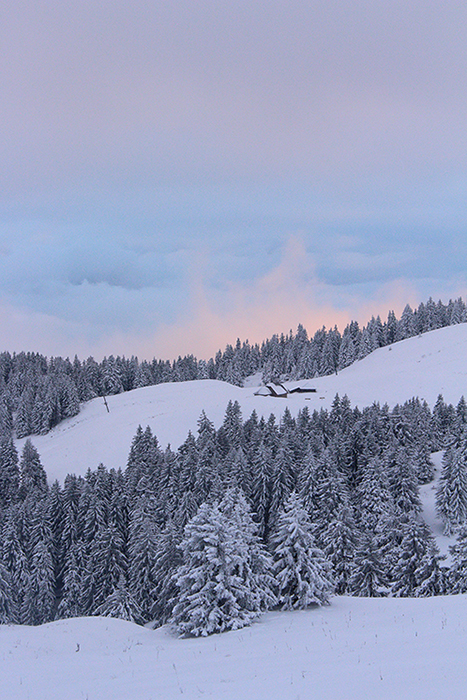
(354, 649)
(423, 366)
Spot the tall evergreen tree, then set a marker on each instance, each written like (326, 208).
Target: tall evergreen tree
(142, 552)
(220, 588)
(303, 575)
(33, 479)
(9, 473)
(340, 543)
(451, 496)
(370, 578)
(8, 612)
(167, 559)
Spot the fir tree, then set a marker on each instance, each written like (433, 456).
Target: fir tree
(458, 573)
(166, 560)
(9, 473)
(142, 552)
(120, 603)
(303, 575)
(38, 604)
(33, 479)
(416, 549)
(340, 543)
(369, 578)
(8, 612)
(219, 588)
(73, 601)
(451, 496)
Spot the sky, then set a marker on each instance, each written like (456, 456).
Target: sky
(177, 174)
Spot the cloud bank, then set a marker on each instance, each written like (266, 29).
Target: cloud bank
(176, 174)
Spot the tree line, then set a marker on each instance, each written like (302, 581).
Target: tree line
(37, 392)
(255, 515)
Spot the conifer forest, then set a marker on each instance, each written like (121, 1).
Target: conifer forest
(258, 514)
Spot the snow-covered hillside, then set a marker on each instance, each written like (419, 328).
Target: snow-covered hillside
(354, 649)
(423, 366)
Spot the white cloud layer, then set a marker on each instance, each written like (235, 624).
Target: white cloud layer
(158, 158)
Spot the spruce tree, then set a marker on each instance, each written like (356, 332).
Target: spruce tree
(166, 560)
(9, 473)
(340, 543)
(220, 588)
(416, 549)
(33, 479)
(451, 496)
(370, 578)
(8, 611)
(120, 603)
(142, 553)
(38, 604)
(458, 573)
(302, 573)
(73, 602)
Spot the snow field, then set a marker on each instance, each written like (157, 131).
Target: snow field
(354, 649)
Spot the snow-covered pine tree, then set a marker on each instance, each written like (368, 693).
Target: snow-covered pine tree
(218, 588)
(302, 573)
(14, 556)
(444, 423)
(282, 479)
(340, 543)
(9, 472)
(33, 479)
(166, 560)
(261, 487)
(142, 553)
(370, 578)
(207, 459)
(347, 351)
(451, 496)
(73, 600)
(120, 603)
(8, 611)
(39, 599)
(373, 501)
(417, 548)
(423, 464)
(256, 562)
(403, 481)
(433, 578)
(106, 563)
(458, 572)
(330, 491)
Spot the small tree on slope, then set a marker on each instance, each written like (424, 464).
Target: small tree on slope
(458, 573)
(417, 556)
(121, 604)
(303, 575)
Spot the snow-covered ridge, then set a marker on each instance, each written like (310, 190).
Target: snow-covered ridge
(424, 366)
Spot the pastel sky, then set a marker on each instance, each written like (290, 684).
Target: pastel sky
(178, 173)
